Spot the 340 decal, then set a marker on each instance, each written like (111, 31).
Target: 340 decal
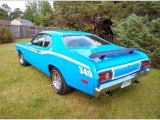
(85, 71)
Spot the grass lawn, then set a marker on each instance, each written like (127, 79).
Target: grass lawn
(25, 92)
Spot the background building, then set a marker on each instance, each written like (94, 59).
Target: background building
(21, 22)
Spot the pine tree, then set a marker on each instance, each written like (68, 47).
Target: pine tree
(134, 31)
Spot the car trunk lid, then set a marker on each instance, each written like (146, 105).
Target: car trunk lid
(122, 63)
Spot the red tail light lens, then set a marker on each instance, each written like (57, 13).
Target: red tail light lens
(105, 76)
(145, 63)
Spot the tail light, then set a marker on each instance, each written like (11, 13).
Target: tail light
(145, 63)
(105, 76)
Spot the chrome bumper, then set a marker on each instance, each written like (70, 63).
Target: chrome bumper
(118, 82)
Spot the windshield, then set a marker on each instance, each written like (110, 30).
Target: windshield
(83, 41)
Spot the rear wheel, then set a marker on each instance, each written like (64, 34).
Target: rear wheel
(22, 61)
(58, 83)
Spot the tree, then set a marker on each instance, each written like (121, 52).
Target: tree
(135, 31)
(150, 8)
(45, 7)
(155, 27)
(38, 12)
(88, 16)
(17, 13)
(31, 11)
(4, 12)
(45, 13)
(6, 8)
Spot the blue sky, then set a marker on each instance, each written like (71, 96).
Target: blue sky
(17, 4)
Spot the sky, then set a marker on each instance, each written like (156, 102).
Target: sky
(17, 4)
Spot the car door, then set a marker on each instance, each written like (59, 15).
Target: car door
(41, 44)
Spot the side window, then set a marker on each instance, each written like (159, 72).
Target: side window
(47, 41)
(38, 40)
(42, 40)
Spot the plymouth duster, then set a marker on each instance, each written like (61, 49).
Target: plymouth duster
(84, 61)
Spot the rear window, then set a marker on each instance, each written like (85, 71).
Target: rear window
(83, 41)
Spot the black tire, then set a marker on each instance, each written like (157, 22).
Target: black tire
(63, 87)
(22, 61)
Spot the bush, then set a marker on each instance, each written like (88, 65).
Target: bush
(136, 31)
(5, 35)
(155, 27)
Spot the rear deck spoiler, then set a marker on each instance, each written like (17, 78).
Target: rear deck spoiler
(101, 55)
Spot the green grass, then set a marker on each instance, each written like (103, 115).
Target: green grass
(25, 92)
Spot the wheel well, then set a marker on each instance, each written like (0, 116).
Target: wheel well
(50, 67)
(19, 52)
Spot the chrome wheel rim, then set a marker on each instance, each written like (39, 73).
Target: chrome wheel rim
(21, 59)
(56, 80)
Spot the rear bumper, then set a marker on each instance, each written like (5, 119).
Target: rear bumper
(117, 83)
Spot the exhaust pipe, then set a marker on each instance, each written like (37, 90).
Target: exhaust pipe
(136, 81)
(108, 93)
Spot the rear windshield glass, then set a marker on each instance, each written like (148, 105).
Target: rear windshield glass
(83, 41)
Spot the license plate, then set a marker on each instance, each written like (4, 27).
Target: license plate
(126, 83)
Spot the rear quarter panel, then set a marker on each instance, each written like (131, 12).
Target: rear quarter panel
(70, 64)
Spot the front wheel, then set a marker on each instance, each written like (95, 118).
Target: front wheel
(58, 83)
(22, 61)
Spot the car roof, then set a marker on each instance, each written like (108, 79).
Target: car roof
(65, 32)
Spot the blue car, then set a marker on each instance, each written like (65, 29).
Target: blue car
(84, 61)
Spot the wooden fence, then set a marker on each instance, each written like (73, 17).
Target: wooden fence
(27, 31)
(31, 31)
